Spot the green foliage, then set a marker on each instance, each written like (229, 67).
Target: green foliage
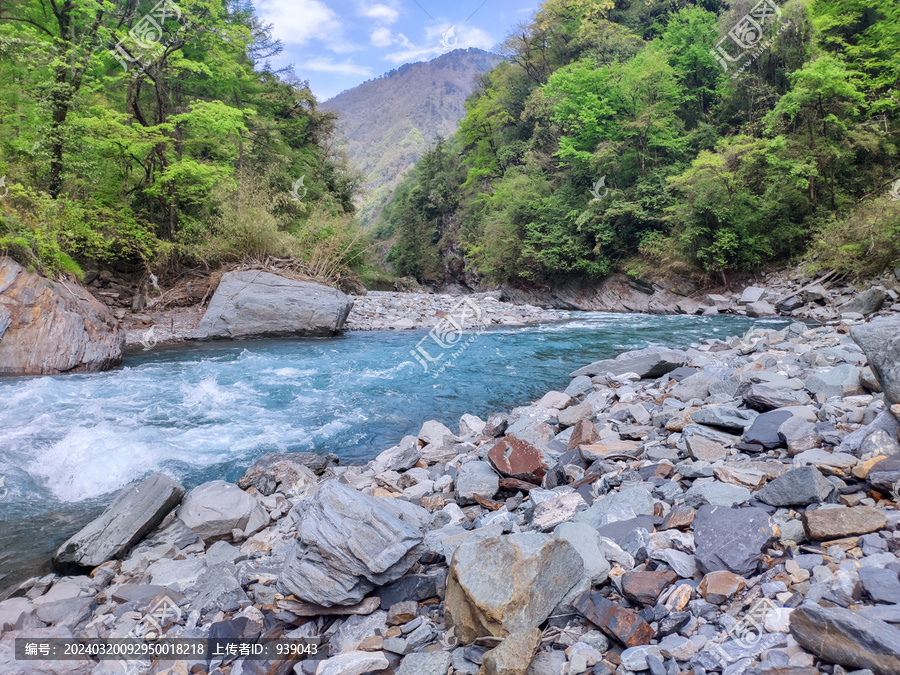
(707, 171)
(128, 168)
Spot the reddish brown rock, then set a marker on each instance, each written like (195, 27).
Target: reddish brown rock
(618, 622)
(402, 612)
(720, 586)
(679, 518)
(584, 433)
(516, 458)
(644, 587)
(516, 484)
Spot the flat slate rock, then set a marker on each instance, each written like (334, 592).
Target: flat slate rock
(881, 584)
(845, 637)
(731, 539)
(764, 429)
(648, 363)
(133, 514)
(798, 487)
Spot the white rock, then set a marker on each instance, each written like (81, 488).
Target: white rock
(350, 663)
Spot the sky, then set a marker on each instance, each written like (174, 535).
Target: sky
(339, 44)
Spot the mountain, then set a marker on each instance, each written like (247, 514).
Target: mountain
(387, 123)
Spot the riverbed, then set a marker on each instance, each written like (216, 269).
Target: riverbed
(204, 411)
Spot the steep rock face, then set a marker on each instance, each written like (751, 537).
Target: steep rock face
(616, 293)
(48, 327)
(260, 304)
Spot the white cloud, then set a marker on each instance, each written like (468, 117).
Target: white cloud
(381, 37)
(296, 22)
(439, 40)
(328, 66)
(381, 13)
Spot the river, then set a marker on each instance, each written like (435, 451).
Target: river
(205, 411)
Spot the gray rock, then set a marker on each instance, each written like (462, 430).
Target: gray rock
(725, 417)
(695, 386)
(547, 663)
(476, 478)
(580, 385)
(254, 303)
(760, 309)
(842, 380)
(881, 584)
(636, 501)
(764, 398)
(884, 476)
(217, 589)
(355, 629)
(731, 539)
(435, 433)
(348, 543)
(538, 570)
(214, 509)
(586, 541)
(798, 435)
(651, 362)
(353, 663)
(400, 457)
(137, 510)
(69, 612)
(280, 471)
(798, 487)
(879, 442)
(433, 663)
(752, 294)
(845, 637)
(471, 426)
(866, 303)
(880, 340)
(717, 494)
(764, 429)
(885, 421)
(416, 587)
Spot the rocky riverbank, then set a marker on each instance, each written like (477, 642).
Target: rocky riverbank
(377, 310)
(732, 507)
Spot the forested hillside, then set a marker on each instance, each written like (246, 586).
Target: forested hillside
(387, 123)
(146, 135)
(699, 137)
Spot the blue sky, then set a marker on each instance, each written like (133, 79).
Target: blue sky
(338, 44)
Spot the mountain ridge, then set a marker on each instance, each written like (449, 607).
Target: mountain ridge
(388, 122)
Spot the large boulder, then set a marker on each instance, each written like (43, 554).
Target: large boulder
(348, 543)
(255, 304)
(47, 327)
(866, 303)
(501, 585)
(842, 636)
(136, 511)
(215, 509)
(880, 340)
